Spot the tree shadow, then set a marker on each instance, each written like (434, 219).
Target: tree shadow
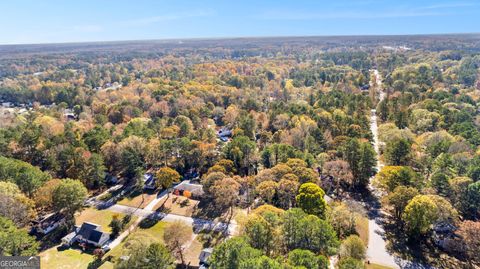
(206, 209)
(151, 220)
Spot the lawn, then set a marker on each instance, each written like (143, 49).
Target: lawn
(362, 228)
(144, 235)
(177, 205)
(139, 201)
(150, 235)
(376, 266)
(100, 217)
(193, 252)
(68, 258)
(106, 265)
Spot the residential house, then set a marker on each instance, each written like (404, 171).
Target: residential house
(149, 181)
(365, 87)
(88, 233)
(48, 223)
(195, 190)
(224, 134)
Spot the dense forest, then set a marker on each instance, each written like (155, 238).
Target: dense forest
(277, 128)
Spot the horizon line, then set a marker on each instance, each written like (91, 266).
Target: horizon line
(236, 37)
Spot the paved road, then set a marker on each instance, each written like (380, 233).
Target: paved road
(377, 250)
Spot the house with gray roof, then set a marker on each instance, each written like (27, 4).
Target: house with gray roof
(89, 233)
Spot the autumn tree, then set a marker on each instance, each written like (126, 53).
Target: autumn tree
(14, 205)
(166, 177)
(209, 180)
(423, 211)
(262, 232)
(391, 177)
(286, 191)
(470, 239)
(338, 173)
(353, 247)
(311, 199)
(267, 190)
(459, 187)
(399, 198)
(419, 215)
(225, 193)
(342, 218)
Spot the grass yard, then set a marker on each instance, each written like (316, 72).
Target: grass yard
(362, 229)
(376, 266)
(67, 259)
(139, 201)
(177, 205)
(100, 217)
(143, 235)
(107, 265)
(193, 252)
(150, 235)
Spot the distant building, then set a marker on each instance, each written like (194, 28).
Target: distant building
(365, 87)
(68, 114)
(113, 86)
(88, 233)
(7, 104)
(224, 134)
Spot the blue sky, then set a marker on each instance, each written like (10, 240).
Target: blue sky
(50, 21)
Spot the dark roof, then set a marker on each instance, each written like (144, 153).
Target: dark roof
(224, 132)
(91, 232)
(148, 179)
(95, 236)
(86, 229)
(49, 219)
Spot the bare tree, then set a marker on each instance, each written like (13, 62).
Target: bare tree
(176, 234)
